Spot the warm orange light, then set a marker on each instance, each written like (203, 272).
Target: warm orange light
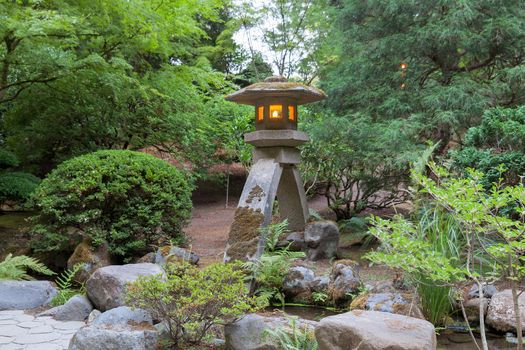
(291, 113)
(276, 111)
(260, 113)
(404, 66)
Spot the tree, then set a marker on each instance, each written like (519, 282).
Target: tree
(437, 65)
(493, 239)
(87, 75)
(499, 139)
(356, 163)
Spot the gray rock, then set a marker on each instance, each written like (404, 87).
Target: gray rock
(294, 242)
(320, 284)
(21, 295)
(172, 254)
(106, 287)
(90, 257)
(472, 308)
(77, 308)
(374, 330)
(249, 332)
(344, 281)
(122, 315)
(500, 314)
(322, 239)
(103, 338)
(118, 328)
(395, 303)
(93, 316)
(488, 291)
(298, 281)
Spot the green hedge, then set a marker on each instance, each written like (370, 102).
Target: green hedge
(129, 199)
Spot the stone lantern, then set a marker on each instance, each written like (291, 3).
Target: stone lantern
(275, 158)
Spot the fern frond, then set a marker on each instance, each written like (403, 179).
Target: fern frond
(15, 268)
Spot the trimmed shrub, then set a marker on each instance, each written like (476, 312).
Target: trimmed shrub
(190, 301)
(129, 199)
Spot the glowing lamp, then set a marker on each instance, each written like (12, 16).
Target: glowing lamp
(275, 101)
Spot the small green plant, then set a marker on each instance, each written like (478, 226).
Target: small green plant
(271, 268)
(65, 285)
(294, 337)
(319, 297)
(190, 301)
(15, 268)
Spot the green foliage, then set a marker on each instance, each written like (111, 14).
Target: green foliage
(460, 59)
(294, 337)
(357, 163)
(129, 199)
(465, 234)
(191, 300)
(499, 139)
(65, 284)
(15, 268)
(272, 267)
(88, 75)
(17, 185)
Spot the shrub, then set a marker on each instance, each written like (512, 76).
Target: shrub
(190, 300)
(15, 268)
(129, 199)
(499, 139)
(16, 186)
(65, 284)
(293, 338)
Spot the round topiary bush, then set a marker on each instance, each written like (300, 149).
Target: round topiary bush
(129, 199)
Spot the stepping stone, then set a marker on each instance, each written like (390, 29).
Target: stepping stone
(70, 325)
(23, 318)
(29, 324)
(26, 339)
(6, 340)
(49, 346)
(11, 312)
(12, 347)
(7, 322)
(41, 329)
(11, 331)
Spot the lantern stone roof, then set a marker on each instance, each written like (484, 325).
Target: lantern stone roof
(276, 86)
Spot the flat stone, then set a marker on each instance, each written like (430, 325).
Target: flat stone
(9, 313)
(5, 340)
(21, 295)
(23, 318)
(41, 329)
(69, 325)
(25, 339)
(12, 346)
(48, 346)
(7, 321)
(11, 331)
(29, 324)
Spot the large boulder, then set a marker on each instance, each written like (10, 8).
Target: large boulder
(344, 281)
(90, 257)
(373, 330)
(395, 303)
(21, 295)
(249, 333)
(77, 308)
(500, 314)
(172, 254)
(322, 240)
(119, 328)
(106, 287)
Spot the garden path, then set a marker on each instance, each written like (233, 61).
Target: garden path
(21, 331)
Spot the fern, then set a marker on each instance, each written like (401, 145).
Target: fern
(273, 234)
(15, 268)
(294, 338)
(64, 283)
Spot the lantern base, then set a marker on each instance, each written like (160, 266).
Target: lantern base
(267, 180)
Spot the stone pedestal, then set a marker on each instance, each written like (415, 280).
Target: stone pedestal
(274, 174)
